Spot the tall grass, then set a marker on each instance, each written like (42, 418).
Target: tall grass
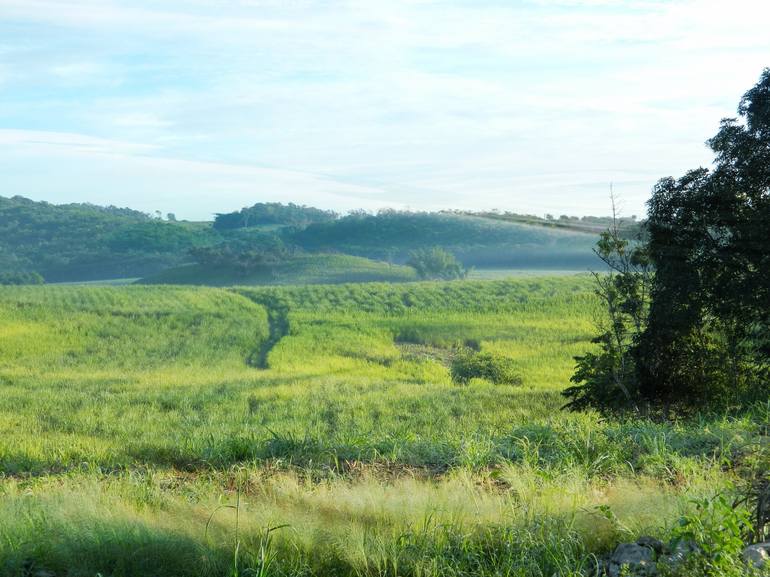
(128, 415)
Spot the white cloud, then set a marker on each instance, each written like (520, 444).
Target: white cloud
(36, 141)
(86, 169)
(76, 70)
(140, 120)
(518, 105)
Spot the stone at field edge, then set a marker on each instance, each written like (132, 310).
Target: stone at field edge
(639, 560)
(758, 555)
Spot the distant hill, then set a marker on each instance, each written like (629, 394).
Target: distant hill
(82, 241)
(629, 227)
(476, 240)
(85, 242)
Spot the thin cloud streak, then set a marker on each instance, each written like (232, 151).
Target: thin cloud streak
(152, 183)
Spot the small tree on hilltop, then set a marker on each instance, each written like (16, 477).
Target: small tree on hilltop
(436, 263)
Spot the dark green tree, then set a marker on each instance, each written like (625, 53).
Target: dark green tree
(696, 333)
(707, 336)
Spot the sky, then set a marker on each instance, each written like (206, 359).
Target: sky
(204, 106)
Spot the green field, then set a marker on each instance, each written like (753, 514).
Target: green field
(157, 430)
(306, 269)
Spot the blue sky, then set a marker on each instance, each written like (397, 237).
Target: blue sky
(203, 106)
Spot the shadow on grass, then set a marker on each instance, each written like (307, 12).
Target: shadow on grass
(39, 539)
(73, 536)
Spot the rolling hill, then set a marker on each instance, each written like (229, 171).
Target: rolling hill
(305, 269)
(292, 244)
(476, 240)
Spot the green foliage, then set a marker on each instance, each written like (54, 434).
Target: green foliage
(436, 263)
(629, 227)
(243, 255)
(606, 380)
(80, 242)
(103, 328)
(83, 241)
(272, 213)
(297, 269)
(695, 334)
(490, 367)
(20, 278)
(708, 336)
(717, 530)
(154, 236)
(532, 295)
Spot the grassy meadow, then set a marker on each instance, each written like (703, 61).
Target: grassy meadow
(303, 269)
(316, 430)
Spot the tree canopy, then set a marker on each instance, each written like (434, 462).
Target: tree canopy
(84, 241)
(710, 242)
(272, 213)
(704, 336)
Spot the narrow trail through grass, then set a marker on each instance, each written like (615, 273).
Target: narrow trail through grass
(278, 327)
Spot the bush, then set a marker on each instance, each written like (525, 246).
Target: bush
(488, 366)
(716, 529)
(436, 263)
(20, 278)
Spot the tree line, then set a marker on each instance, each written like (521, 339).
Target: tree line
(87, 242)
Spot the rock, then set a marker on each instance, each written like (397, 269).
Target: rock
(758, 555)
(652, 543)
(682, 550)
(638, 561)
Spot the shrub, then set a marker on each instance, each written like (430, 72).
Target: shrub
(715, 529)
(20, 278)
(436, 263)
(488, 366)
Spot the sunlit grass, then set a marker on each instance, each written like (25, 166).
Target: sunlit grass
(128, 415)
